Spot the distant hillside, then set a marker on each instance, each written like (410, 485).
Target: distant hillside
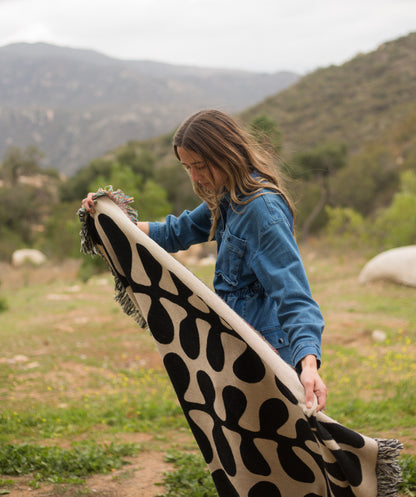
(77, 104)
(356, 102)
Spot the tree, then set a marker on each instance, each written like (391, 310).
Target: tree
(19, 213)
(175, 181)
(17, 163)
(150, 199)
(60, 238)
(24, 205)
(318, 166)
(139, 160)
(369, 181)
(267, 132)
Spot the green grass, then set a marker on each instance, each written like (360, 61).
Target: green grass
(77, 375)
(109, 416)
(371, 389)
(114, 401)
(191, 477)
(408, 466)
(62, 465)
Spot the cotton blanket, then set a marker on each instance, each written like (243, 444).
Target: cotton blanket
(244, 404)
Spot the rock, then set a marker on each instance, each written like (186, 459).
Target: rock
(28, 256)
(33, 365)
(379, 336)
(397, 265)
(20, 358)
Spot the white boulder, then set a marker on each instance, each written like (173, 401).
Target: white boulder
(397, 265)
(28, 256)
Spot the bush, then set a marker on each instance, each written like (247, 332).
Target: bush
(3, 304)
(346, 227)
(60, 238)
(91, 266)
(396, 225)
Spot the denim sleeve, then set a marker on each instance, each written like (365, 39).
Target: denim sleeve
(279, 268)
(179, 233)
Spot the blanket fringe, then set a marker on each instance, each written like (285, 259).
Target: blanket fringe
(89, 247)
(388, 471)
(123, 299)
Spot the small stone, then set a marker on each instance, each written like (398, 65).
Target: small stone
(379, 336)
(20, 358)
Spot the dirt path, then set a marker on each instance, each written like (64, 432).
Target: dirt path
(137, 479)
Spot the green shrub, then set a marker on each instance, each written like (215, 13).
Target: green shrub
(396, 225)
(345, 226)
(408, 466)
(3, 304)
(191, 478)
(91, 266)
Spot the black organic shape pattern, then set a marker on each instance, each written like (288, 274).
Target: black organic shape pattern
(226, 438)
(249, 367)
(264, 489)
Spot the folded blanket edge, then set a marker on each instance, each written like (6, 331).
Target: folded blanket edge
(89, 247)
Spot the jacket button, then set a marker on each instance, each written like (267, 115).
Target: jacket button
(281, 340)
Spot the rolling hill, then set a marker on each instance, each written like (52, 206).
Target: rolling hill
(356, 102)
(77, 104)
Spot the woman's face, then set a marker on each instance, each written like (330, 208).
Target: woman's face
(210, 177)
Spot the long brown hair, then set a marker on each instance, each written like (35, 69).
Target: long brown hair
(224, 144)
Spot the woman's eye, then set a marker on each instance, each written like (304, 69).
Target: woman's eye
(195, 167)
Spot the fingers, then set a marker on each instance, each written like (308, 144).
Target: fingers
(314, 386)
(88, 203)
(309, 395)
(321, 398)
(321, 392)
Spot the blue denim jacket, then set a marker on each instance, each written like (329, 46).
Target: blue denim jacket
(258, 272)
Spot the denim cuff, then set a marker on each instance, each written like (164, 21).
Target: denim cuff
(304, 350)
(154, 232)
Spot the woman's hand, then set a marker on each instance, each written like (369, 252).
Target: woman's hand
(312, 383)
(88, 202)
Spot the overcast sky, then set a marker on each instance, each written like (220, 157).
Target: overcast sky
(257, 35)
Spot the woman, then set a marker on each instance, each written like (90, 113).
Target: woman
(259, 272)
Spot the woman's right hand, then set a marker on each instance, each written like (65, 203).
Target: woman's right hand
(88, 203)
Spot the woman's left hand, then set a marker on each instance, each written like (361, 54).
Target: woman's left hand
(313, 383)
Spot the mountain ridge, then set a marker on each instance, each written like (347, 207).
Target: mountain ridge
(76, 104)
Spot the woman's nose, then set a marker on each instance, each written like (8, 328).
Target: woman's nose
(195, 176)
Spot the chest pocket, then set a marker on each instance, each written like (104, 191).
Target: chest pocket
(230, 258)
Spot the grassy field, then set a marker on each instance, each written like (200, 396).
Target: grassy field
(86, 407)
